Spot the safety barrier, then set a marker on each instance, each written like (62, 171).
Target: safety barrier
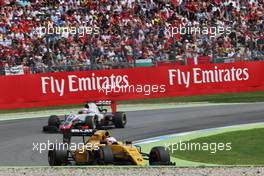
(52, 89)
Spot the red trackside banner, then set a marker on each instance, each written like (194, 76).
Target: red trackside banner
(51, 89)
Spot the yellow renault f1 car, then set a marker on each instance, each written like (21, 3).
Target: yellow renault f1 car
(96, 151)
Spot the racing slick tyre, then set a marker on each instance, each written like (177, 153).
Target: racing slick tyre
(106, 155)
(58, 156)
(50, 129)
(159, 156)
(90, 121)
(54, 121)
(120, 119)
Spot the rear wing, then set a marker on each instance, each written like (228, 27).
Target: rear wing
(110, 103)
(103, 103)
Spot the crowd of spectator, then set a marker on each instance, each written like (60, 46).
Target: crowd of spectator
(115, 33)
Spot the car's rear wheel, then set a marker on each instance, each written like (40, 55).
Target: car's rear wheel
(120, 119)
(159, 156)
(106, 155)
(58, 155)
(54, 121)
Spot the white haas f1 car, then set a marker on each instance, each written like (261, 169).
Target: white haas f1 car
(92, 116)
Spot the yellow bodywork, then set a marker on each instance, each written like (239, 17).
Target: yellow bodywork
(122, 152)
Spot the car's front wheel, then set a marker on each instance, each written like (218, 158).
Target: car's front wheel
(58, 155)
(159, 156)
(106, 155)
(54, 121)
(50, 129)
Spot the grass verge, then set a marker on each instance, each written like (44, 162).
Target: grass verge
(246, 148)
(215, 98)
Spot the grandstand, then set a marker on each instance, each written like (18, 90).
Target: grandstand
(50, 36)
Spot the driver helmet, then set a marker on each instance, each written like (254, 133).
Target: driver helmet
(83, 111)
(110, 140)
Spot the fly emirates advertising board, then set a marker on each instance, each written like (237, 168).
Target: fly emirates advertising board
(135, 83)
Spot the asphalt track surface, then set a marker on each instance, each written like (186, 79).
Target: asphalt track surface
(17, 136)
